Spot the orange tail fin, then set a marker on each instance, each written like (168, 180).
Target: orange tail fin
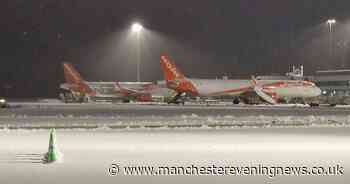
(169, 69)
(73, 77)
(175, 79)
(70, 74)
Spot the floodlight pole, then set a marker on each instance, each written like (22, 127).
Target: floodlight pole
(138, 55)
(330, 23)
(137, 28)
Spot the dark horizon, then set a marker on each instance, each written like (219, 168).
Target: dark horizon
(207, 39)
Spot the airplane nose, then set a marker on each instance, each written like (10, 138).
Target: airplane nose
(317, 91)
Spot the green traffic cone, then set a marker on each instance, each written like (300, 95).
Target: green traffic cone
(51, 153)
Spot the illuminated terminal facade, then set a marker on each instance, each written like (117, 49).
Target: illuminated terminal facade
(335, 86)
(333, 82)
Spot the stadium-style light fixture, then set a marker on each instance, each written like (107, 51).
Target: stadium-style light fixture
(136, 27)
(331, 21)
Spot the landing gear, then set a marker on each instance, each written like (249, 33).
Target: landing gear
(176, 98)
(236, 101)
(126, 100)
(297, 101)
(314, 104)
(71, 97)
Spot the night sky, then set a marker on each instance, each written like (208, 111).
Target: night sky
(206, 39)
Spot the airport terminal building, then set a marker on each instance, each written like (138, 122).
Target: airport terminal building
(335, 85)
(333, 82)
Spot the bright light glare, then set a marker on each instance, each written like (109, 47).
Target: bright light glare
(331, 21)
(136, 27)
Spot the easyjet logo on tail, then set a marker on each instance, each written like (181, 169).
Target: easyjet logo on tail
(175, 79)
(169, 69)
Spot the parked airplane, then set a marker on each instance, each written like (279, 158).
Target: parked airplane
(268, 90)
(81, 90)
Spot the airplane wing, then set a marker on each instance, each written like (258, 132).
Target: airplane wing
(138, 95)
(128, 91)
(266, 95)
(124, 90)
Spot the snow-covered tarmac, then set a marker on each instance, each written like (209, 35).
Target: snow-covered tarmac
(91, 137)
(89, 154)
(120, 116)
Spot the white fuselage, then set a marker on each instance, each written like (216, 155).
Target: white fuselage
(110, 89)
(212, 87)
(290, 89)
